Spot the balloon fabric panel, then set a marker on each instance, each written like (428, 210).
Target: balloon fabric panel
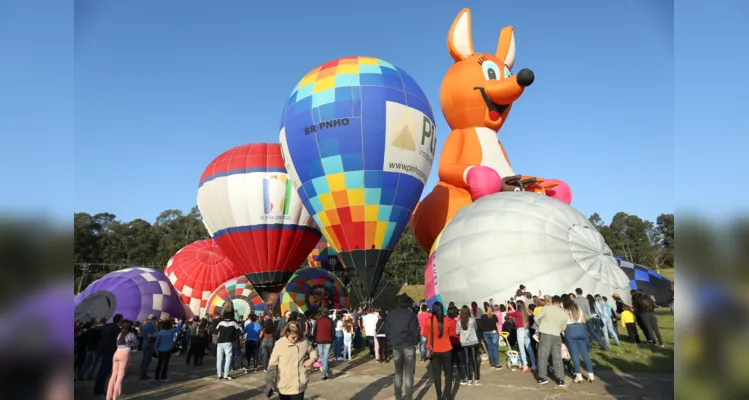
(196, 270)
(358, 136)
(134, 292)
(308, 288)
(254, 215)
(321, 254)
(506, 239)
(240, 292)
(651, 282)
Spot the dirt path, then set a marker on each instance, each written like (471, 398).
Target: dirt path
(367, 380)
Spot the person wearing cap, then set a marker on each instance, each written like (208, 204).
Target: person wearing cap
(148, 333)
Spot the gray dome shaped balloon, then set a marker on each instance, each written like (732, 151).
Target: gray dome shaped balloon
(504, 240)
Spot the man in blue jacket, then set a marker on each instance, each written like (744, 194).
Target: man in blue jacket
(148, 333)
(165, 345)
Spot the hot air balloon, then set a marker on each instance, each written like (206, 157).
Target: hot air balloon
(321, 255)
(243, 297)
(651, 282)
(324, 256)
(196, 270)
(310, 288)
(134, 292)
(358, 138)
(503, 240)
(256, 218)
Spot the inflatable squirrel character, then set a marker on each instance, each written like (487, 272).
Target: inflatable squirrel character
(476, 96)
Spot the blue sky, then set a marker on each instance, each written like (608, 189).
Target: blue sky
(161, 88)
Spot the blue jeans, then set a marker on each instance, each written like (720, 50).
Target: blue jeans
(145, 361)
(323, 351)
(591, 326)
(357, 338)
(608, 329)
(338, 345)
(576, 339)
(492, 347)
(524, 345)
(224, 355)
(422, 347)
(89, 366)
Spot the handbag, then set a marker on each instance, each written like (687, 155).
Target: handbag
(428, 351)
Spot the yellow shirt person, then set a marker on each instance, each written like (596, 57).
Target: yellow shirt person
(628, 317)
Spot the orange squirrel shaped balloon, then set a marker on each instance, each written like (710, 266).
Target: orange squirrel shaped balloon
(476, 96)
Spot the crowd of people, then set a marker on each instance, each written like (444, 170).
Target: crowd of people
(288, 348)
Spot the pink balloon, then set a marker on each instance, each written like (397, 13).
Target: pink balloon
(560, 192)
(483, 181)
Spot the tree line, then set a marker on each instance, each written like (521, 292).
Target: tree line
(102, 243)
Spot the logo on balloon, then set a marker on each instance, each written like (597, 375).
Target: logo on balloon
(411, 140)
(326, 125)
(276, 191)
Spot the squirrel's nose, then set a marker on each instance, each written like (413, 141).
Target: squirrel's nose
(525, 77)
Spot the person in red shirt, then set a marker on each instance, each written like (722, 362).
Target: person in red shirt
(437, 330)
(521, 316)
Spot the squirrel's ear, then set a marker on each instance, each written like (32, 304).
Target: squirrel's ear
(506, 46)
(459, 41)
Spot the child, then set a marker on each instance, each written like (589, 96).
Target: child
(348, 332)
(629, 322)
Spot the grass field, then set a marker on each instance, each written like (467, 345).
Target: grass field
(629, 357)
(668, 273)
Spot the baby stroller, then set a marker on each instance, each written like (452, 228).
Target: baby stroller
(514, 362)
(569, 367)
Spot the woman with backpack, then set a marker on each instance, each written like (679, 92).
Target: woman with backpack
(466, 329)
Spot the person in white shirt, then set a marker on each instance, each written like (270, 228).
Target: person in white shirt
(338, 343)
(369, 323)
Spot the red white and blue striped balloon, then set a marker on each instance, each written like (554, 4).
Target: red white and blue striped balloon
(255, 216)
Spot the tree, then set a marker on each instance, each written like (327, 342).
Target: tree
(639, 241)
(407, 261)
(665, 225)
(656, 254)
(102, 243)
(85, 239)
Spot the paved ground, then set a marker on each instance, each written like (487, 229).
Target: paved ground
(365, 379)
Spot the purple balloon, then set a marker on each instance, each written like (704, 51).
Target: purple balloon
(134, 292)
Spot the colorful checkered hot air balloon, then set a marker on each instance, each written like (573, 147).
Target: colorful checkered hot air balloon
(197, 270)
(256, 218)
(134, 292)
(359, 139)
(321, 254)
(240, 292)
(310, 288)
